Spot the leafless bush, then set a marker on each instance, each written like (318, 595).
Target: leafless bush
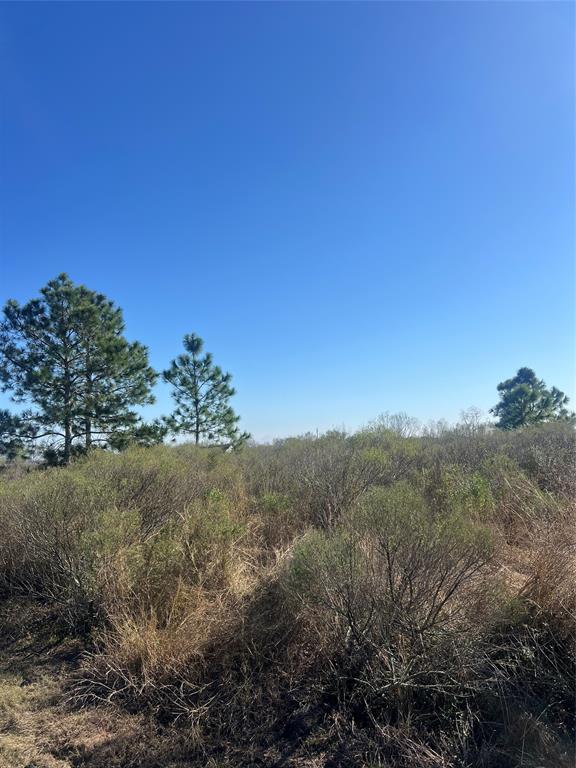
(400, 424)
(44, 519)
(398, 583)
(547, 454)
(336, 471)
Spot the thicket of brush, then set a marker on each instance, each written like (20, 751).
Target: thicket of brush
(396, 600)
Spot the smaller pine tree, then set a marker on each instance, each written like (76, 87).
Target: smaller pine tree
(201, 391)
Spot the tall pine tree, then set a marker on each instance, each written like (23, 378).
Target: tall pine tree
(201, 391)
(525, 400)
(65, 357)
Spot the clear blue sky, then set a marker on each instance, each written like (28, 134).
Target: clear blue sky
(360, 207)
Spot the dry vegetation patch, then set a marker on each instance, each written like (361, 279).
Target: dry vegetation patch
(341, 601)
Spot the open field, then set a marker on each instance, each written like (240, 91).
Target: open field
(377, 599)
(222, 223)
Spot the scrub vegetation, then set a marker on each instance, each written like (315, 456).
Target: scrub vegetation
(395, 597)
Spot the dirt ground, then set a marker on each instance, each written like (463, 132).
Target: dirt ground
(42, 725)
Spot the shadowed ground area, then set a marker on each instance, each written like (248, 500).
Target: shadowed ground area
(41, 726)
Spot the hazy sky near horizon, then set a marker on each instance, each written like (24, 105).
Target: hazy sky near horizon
(360, 207)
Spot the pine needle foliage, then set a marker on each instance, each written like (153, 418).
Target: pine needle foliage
(65, 358)
(525, 400)
(201, 391)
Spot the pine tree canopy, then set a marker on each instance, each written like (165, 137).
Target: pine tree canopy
(64, 356)
(201, 391)
(525, 400)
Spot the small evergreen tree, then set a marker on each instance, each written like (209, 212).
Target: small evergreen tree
(201, 391)
(65, 357)
(525, 400)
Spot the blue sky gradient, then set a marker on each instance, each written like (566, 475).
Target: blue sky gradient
(359, 207)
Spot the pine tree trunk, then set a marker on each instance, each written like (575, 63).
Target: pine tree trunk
(67, 415)
(67, 441)
(196, 402)
(88, 406)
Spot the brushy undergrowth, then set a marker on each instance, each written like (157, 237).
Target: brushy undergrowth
(395, 600)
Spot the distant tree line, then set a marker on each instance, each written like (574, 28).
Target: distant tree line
(64, 358)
